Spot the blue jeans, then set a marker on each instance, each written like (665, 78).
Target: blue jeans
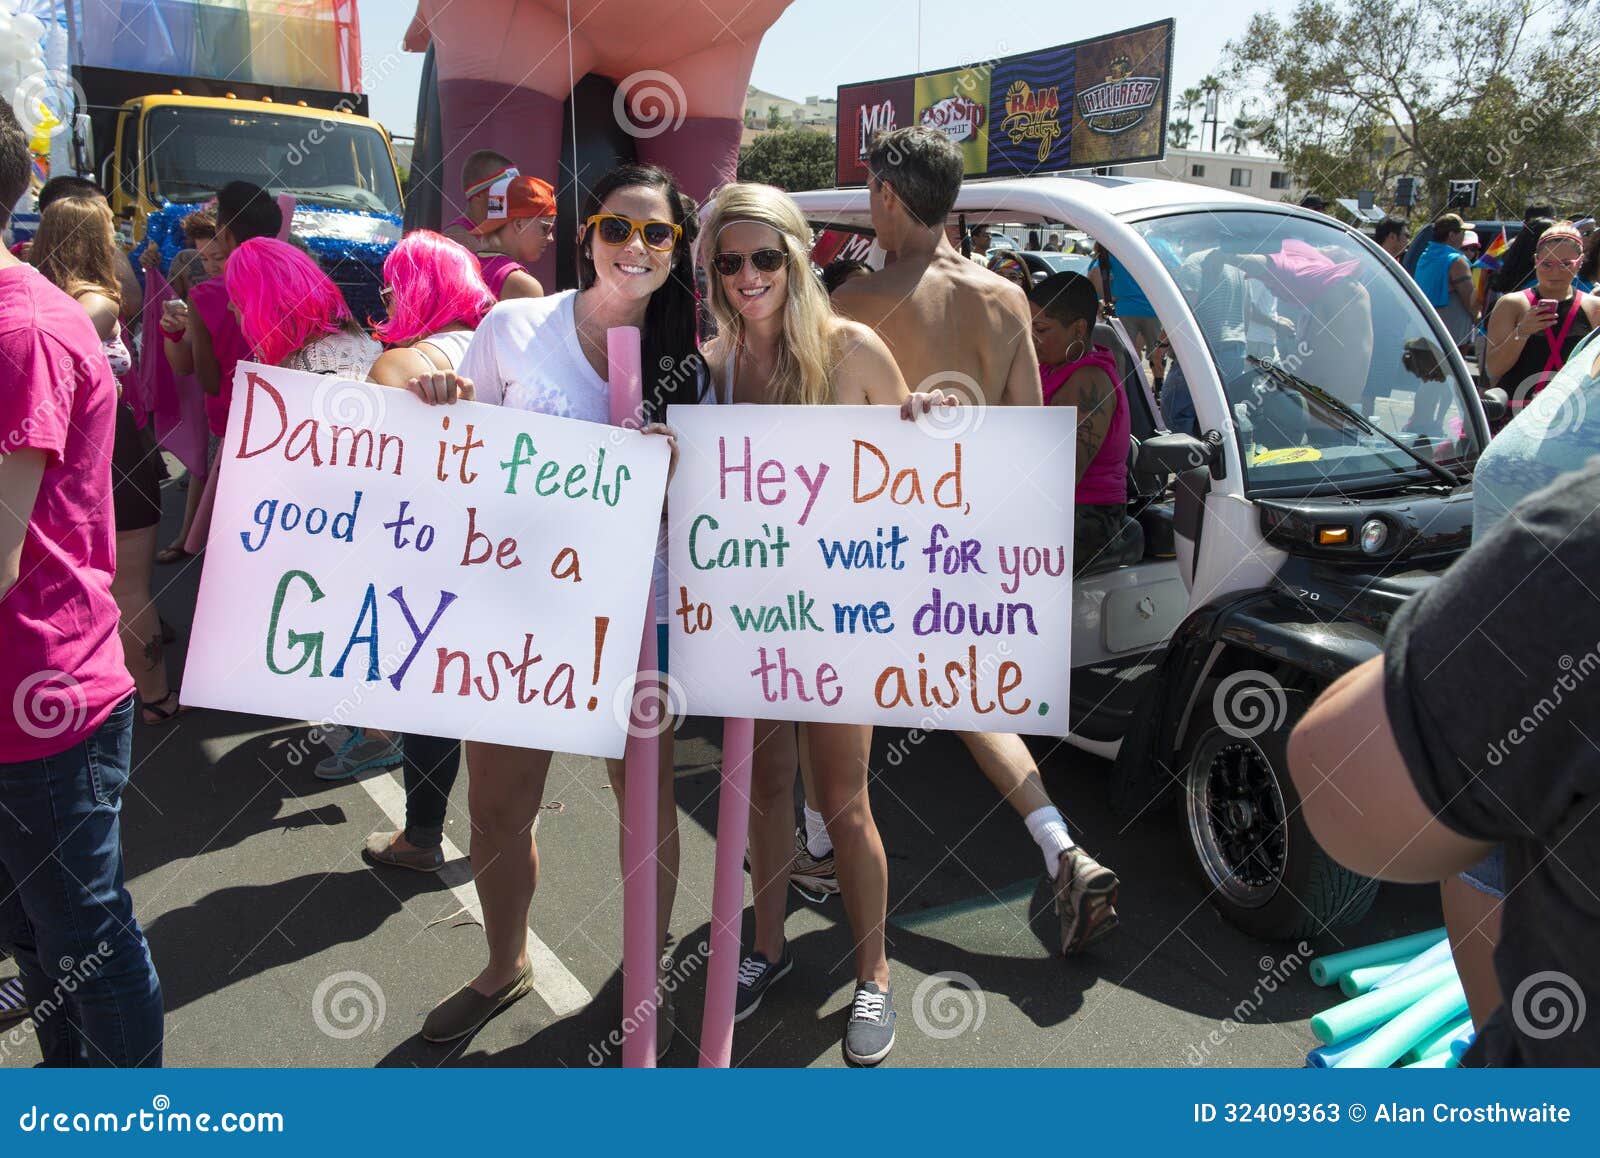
(64, 913)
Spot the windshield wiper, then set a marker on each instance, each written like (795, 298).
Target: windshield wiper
(332, 198)
(1286, 377)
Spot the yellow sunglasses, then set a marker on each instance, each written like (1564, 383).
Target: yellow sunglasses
(617, 231)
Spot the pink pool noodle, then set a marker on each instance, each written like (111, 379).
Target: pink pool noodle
(639, 863)
(727, 897)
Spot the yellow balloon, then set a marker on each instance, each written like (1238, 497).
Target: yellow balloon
(40, 142)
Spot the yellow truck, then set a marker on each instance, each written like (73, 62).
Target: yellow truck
(178, 148)
(165, 104)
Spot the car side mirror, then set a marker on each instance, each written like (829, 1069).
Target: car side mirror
(1176, 453)
(1496, 404)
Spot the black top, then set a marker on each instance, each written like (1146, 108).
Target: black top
(1519, 762)
(1528, 376)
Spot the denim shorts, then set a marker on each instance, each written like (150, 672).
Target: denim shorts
(1489, 874)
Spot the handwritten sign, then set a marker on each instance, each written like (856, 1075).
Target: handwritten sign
(465, 570)
(842, 564)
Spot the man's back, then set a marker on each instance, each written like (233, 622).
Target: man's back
(944, 319)
(61, 667)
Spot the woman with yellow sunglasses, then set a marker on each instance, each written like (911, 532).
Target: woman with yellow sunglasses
(548, 354)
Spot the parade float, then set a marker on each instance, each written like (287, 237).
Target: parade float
(163, 104)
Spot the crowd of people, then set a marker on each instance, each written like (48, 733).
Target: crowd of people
(80, 504)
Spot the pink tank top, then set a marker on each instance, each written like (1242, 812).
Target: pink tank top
(497, 267)
(1105, 483)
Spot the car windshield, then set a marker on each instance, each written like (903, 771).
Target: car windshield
(192, 152)
(1312, 334)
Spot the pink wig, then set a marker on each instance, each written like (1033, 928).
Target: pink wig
(283, 298)
(433, 282)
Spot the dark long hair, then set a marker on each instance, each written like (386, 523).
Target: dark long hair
(1590, 268)
(673, 369)
(1517, 264)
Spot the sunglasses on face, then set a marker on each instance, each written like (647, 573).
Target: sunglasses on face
(765, 260)
(618, 231)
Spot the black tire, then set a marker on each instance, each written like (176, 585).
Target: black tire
(1241, 817)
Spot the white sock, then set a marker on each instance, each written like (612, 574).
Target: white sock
(1049, 830)
(817, 842)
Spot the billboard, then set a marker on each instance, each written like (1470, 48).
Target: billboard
(1073, 106)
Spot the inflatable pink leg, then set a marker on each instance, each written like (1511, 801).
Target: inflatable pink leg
(702, 153)
(640, 866)
(727, 897)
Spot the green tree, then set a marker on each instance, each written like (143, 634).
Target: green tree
(774, 117)
(792, 159)
(1179, 132)
(1379, 88)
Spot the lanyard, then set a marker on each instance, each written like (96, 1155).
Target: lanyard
(1556, 361)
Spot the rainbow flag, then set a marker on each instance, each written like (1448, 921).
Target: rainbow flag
(1488, 262)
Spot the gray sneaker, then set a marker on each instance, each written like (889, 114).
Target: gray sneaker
(1086, 899)
(870, 1035)
(756, 975)
(358, 754)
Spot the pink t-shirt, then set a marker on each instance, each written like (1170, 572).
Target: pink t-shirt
(61, 669)
(497, 267)
(1105, 483)
(210, 300)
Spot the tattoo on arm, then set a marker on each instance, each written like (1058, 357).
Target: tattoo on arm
(1097, 405)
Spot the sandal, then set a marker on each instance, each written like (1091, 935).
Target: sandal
(170, 555)
(162, 714)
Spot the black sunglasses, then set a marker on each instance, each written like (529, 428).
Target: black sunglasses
(765, 260)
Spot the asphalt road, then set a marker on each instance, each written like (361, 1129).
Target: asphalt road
(278, 946)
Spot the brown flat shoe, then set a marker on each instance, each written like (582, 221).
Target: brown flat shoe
(380, 850)
(466, 1009)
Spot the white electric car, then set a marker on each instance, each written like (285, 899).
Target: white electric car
(1312, 473)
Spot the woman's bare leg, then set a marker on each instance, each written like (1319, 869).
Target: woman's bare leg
(840, 753)
(771, 830)
(138, 623)
(505, 787)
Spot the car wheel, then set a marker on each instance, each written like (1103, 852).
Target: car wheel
(1242, 817)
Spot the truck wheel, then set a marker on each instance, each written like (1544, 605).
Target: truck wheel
(1241, 814)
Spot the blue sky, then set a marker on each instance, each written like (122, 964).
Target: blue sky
(819, 44)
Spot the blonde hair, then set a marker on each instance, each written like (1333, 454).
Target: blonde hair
(75, 247)
(806, 356)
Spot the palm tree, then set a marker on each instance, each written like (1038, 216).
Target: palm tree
(1239, 134)
(1209, 87)
(1188, 98)
(1178, 133)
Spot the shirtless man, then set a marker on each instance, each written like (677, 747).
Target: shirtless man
(953, 324)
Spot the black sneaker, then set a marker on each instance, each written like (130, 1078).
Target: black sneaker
(870, 1035)
(756, 975)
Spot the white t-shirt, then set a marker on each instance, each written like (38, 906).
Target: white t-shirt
(526, 355)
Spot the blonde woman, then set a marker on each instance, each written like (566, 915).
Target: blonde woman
(779, 342)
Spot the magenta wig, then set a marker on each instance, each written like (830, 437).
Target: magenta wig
(283, 298)
(432, 283)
